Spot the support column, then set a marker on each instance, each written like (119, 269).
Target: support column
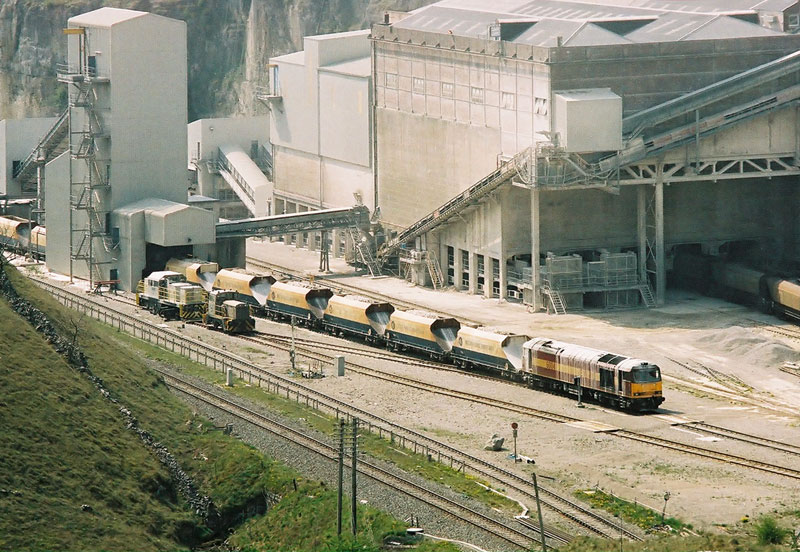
(312, 241)
(457, 268)
(503, 276)
(661, 269)
(641, 229)
(288, 208)
(488, 276)
(473, 273)
(299, 237)
(535, 277)
(337, 238)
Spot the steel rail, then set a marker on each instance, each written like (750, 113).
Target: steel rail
(206, 353)
(451, 507)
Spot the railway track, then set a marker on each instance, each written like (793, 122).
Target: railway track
(345, 289)
(366, 468)
(726, 380)
(567, 508)
(523, 410)
(549, 416)
(745, 437)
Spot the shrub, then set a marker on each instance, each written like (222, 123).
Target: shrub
(769, 532)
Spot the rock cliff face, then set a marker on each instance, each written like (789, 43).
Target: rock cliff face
(229, 42)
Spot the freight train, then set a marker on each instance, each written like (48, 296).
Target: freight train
(22, 235)
(616, 380)
(711, 275)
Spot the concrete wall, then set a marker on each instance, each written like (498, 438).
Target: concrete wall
(133, 256)
(148, 110)
(18, 137)
(645, 75)
(423, 162)
(180, 226)
(294, 123)
(344, 118)
(57, 214)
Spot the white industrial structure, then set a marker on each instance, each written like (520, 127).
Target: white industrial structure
(125, 167)
(231, 162)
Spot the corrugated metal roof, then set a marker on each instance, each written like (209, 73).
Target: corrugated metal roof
(104, 17)
(578, 11)
(460, 22)
(573, 33)
(674, 27)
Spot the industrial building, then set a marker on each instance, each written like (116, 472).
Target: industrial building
(562, 151)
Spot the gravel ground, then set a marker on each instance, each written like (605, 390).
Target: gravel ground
(319, 468)
(691, 328)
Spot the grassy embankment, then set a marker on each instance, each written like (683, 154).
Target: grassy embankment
(73, 478)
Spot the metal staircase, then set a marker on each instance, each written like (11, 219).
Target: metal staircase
(49, 147)
(470, 197)
(435, 270)
(363, 253)
(647, 295)
(556, 300)
(90, 241)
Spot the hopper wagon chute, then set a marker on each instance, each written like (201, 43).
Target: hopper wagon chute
(358, 316)
(251, 288)
(294, 299)
(422, 332)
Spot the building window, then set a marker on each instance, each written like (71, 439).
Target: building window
(540, 106)
(391, 80)
(418, 85)
(477, 94)
(447, 89)
(794, 20)
(509, 100)
(464, 269)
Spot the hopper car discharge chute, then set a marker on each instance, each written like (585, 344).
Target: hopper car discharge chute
(623, 382)
(357, 316)
(251, 288)
(307, 303)
(477, 348)
(197, 272)
(422, 332)
(15, 232)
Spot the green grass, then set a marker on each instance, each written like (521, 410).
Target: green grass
(64, 446)
(634, 513)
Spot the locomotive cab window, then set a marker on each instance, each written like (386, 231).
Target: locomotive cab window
(650, 374)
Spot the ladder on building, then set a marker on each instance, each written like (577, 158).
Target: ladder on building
(363, 253)
(435, 270)
(555, 299)
(469, 197)
(647, 295)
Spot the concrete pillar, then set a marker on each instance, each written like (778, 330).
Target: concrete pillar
(288, 208)
(488, 276)
(299, 237)
(535, 278)
(457, 268)
(336, 237)
(641, 229)
(473, 273)
(661, 269)
(312, 241)
(503, 277)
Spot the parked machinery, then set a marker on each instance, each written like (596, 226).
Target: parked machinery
(228, 314)
(196, 271)
(422, 332)
(620, 381)
(478, 348)
(358, 316)
(251, 288)
(305, 302)
(167, 294)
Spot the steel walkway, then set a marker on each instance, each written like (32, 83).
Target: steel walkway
(310, 221)
(469, 197)
(52, 145)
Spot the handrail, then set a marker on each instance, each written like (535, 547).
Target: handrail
(226, 165)
(34, 155)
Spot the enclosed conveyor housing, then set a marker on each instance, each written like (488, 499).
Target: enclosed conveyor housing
(251, 288)
(422, 331)
(358, 315)
(483, 348)
(306, 302)
(195, 270)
